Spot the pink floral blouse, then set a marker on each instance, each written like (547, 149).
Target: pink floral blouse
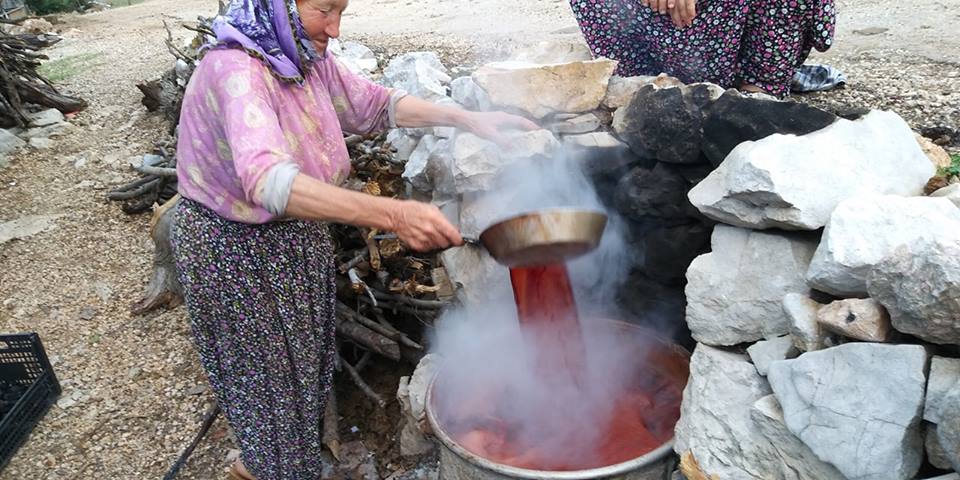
(238, 121)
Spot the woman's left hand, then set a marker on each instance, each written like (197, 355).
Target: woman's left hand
(491, 125)
(683, 13)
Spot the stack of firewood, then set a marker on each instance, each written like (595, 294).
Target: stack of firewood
(21, 84)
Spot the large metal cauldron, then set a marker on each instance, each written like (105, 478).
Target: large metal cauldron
(457, 463)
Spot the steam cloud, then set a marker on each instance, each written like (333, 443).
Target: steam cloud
(486, 358)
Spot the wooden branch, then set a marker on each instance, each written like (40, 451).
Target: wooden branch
(365, 337)
(331, 424)
(134, 193)
(357, 379)
(413, 302)
(158, 171)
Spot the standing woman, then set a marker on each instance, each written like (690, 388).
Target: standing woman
(260, 155)
(754, 45)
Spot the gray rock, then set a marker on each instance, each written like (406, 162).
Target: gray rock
(476, 162)
(468, 94)
(540, 90)
(430, 167)
(622, 89)
(936, 455)
(765, 352)
(585, 123)
(476, 274)
(865, 230)
(358, 58)
(795, 460)
(715, 423)
(858, 318)
(28, 226)
(41, 143)
(951, 192)
(796, 182)
(857, 406)
(412, 396)
(9, 142)
(405, 144)
(919, 283)
(45, 117)
(948, 430)
(419, 73)
(944, 376)
(735, 293)
(54, 130)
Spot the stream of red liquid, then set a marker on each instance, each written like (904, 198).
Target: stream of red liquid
(640, 419)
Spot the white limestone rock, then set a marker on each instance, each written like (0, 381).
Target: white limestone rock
(715, 421)
(620, 90)
(430, 167)
(795, 182)
(735, 292)
(579, 124)
(539, 90)
(806, 332)
(405, 144)
(795, 460)
(476, 162)
(919, 283)
(950, 192)
(27, 226)
(944, 376)
(936, 455)
(45, 118)
(468, 94)
(412, 396)
(857, 406)
(9, 142)
(948, 430)
(419, 73)
(865, 230)
(476, 274)
(765, 352)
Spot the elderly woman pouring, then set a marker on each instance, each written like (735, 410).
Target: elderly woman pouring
(260, 155)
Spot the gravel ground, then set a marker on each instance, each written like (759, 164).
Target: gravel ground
(133, 390)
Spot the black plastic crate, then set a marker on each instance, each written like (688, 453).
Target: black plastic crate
(28, 380)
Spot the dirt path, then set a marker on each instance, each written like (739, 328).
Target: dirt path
(133, 391)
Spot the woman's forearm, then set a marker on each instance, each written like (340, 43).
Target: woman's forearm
(413, 112)
(312, 199)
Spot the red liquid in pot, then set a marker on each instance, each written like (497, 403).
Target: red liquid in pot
(634, 420)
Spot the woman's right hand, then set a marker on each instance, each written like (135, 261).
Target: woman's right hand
(422, 227)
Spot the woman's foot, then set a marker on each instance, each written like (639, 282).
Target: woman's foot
(750, 88)
(239, 472)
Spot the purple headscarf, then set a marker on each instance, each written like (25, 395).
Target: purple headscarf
(270, 30)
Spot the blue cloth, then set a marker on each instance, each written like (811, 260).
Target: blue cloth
(817, 78)
(270, 30)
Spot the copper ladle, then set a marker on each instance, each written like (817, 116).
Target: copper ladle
(541, 237)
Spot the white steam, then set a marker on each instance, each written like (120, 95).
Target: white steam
(487, 365)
